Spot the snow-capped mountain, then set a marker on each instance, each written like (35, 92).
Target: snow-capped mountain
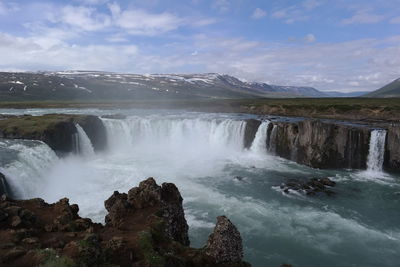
(94, 85)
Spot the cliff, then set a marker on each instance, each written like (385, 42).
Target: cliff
(392, 151)
(56, 130)
(319, 144)
(145, 227)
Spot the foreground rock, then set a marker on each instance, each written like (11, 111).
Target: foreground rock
(225, 243)
(315, 186)
(145, 227)
(56, 130)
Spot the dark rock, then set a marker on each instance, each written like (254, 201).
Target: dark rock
(311, 188)
(239, 178)
(4, 187)
(225, 243)
(321, 144)
(148, 194)
(117, 206)
(392, 151)
(250, 131)
(95, 130)
(169, 200)
(13, 253)
(327, 182)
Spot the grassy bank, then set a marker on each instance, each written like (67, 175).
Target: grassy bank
(335, 108)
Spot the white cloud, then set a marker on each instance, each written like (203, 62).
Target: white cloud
(92, 2)
(258, 13)
(221, 5)
(363, 17)
(86, 18)
(310, 38)
(8, 7)
(141, 22)
(311, 4)
(291, 14)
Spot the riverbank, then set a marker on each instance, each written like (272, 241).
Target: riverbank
(361, 109)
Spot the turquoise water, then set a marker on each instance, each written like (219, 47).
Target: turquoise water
(202, 154)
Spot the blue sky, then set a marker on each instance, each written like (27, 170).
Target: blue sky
(344, 45)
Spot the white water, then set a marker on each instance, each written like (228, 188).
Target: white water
(376, 150)
(272, 145)
(27, 167)
(259, 144)
(188, 137)
(84, 145)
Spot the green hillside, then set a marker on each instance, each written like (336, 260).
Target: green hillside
(390, 90)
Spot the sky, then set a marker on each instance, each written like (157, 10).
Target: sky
(341, 45)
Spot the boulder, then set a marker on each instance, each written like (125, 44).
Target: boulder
(4, 187)
(225, 243)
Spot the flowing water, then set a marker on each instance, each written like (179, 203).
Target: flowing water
(202, 154)
(82, 143)
(376, 150)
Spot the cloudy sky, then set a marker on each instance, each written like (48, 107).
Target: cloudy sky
(344, 45)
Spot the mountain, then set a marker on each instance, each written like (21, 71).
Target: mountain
(341, 94)
(390, 90)
(303, 91)
(94, 85)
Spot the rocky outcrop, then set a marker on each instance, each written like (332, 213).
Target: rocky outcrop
(165, 199)
(225, 243)
(320, 144)
(313, 187)
(145, 227)
(4, 188)
(56, 130)
(392, 151)
(250, 131)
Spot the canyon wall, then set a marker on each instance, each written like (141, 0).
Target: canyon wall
(320, 145)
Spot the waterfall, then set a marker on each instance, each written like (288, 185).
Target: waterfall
(83, 145)
(259, 144)
(272, 140)
(25, 164)
(376, 150)
(175, 134)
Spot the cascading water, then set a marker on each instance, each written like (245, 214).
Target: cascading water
(272, 140)
(259, 144)
(376, 150)
(175, 134)
(25, 165)
(83, 144)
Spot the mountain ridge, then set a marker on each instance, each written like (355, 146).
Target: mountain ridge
(101, 85)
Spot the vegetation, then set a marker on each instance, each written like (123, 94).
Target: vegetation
(52, 259)
(337, 108)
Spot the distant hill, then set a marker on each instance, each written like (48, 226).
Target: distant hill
(93, 85)
(390, 90)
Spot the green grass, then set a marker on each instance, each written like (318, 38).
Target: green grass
(308, 107)
(52, 259)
